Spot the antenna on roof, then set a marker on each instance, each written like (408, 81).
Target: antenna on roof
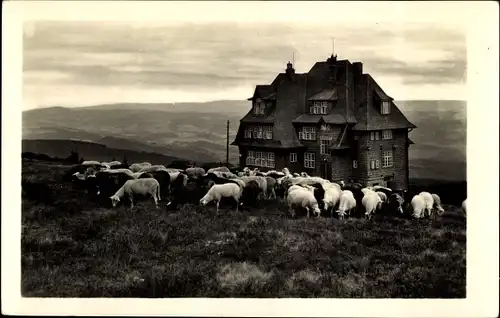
(333, 46)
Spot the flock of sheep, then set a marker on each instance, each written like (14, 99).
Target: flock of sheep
(113, 181)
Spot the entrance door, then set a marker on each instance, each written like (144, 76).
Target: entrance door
(326, 170)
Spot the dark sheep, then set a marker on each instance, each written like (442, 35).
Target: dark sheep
(394, 206)
(319, 194)
(163, 178)
(250, 193)
(188, 190)
(355, 188)
(105, 184)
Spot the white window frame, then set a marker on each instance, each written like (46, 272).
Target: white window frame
(308, 133)
(268, 132)
(377, 164)
(372, 164)
(248, 132)
(270, 159)
(324, 108)
(310, 160)
(255, 133)
(377, 135)
(293, 157)
(385, 108)
(372, 135)
(260, 131)
(355, 164)
(387, 134)
(323, 147)
(250, 160)
(387, 159)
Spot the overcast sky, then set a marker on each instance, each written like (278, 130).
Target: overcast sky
(79, 63)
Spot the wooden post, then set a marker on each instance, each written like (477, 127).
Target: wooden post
(227, 144)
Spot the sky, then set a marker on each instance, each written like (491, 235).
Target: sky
(96, 61)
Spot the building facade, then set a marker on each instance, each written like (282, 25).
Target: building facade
(334, 121)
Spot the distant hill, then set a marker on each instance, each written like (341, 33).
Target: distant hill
(92, 151)
(197, 131)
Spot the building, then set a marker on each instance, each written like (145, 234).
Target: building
(334, 121)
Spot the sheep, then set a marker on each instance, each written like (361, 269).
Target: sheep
(395, 204)
(464, 207)
(260, 180)
(429, 202)
(195, 172)
(114, 163)
(136, 167)
(286, 171)
(331, 199)
(372, 202)
(274, 174)
(154, 168)
(437, 203)
(271, 184)
(147, 186)
(219, 191)
(346, 203)
(122, 170)
(105, 183)
(90, 163)
(302, 198)
(221, 174)
(419, 205)
(173, 175)
(219, 169)
(382, 196)
(187, 190)
(295, 174)
(251, 192)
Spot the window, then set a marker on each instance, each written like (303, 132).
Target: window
(270, 159)
(372, 164)
(386, 134)
(250, 158)
(255, 132)
(293, 157)
(374, 135)
(308, 133)
(309, 160)
(377, 164)
(248, 132)
(385, 108)
(387, 159)
(268, 132)
(259, 132)
(259, 108)
(354, 164)
(318, 108)
(324, 143)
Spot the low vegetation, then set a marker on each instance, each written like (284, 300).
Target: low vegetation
(72, 247)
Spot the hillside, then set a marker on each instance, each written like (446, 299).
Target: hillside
(92, 151)
(198, 131)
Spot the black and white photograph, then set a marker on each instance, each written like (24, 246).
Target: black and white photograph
(254, 150)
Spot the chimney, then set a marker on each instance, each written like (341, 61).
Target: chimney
(358, 68)
(290, 71)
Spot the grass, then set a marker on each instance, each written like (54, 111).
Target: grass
(71, 247)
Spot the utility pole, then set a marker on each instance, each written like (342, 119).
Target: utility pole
(227, 145)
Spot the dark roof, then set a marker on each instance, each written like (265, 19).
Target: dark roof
(328, 94)
(370, 118)
(263, 92)
(410, 142)
(331, 118)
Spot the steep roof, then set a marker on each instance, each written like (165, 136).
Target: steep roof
(263, 92)
(327, 94)
(332, 118)
(370, 118)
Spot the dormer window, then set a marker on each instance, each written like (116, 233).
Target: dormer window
(259, 108)
(318, 108)
(385, 108)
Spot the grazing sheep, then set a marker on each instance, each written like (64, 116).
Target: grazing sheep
(382, 196)
(147, 186)
(302, 198)
(260, 180)
(346, 203)
(122, 170)
(219, 169)
(274, 174)
(372, 202)
(251, 193)
(331, 199)
(271, 184)
(429, 202)
(195, 172)
(286, 172)
(187, 190)
(104, 183)
(136, 167)
(437, 203)
(219, 191)
(295, 174)
(395, 204)
(163, 177)
(419, 206)
(90, 163)
(154, 168)
(464, 207)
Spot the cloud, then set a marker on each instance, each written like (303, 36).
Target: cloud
(228, 56)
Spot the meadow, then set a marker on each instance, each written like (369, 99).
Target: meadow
(71, 247)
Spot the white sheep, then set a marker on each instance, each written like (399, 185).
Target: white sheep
(437, 203)
(90, 163)
(136, 167)
(286, 172)
(126, 171)
(346, 203)
(239, 181)
(331, 199)
(382, 196)
(219, 169)
(137, 186)
(295, 174)
(464, 207)
(372, 202)
(367, 190)
(195, 172)
(303, 174)
(219, 191)
(419, 206)
(114, 163)
(154, 168)
(429, 202)
(302, 198)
